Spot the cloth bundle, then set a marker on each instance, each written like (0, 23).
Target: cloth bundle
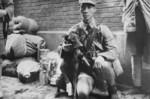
(28, 25)
(18, 45)
(129, 14)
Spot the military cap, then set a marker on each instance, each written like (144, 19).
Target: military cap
(88, 1)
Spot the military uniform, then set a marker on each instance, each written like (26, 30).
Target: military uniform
(8, 6)
(104, 37)
(99, 47)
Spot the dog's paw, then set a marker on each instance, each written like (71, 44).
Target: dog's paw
(74, 97)
(57, 94)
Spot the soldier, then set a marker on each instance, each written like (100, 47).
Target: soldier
(6, 14)
(101, 47)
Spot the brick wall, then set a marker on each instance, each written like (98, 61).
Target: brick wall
(61, 14)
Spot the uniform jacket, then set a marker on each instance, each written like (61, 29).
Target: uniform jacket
(104, 37)
(9, 7)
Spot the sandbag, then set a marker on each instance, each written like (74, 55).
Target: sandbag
(23, 21)
(33, 26)
(15, 46)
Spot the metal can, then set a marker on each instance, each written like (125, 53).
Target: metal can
(43, 77)
(43, 53)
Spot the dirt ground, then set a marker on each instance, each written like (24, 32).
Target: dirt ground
(13, 89)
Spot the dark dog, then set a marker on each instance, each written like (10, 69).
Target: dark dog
(69, 73)
(77, 60)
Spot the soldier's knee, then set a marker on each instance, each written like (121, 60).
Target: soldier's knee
(82, 96)
(84, 90)
(84, 87)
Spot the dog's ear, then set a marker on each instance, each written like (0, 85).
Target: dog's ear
(65, 36)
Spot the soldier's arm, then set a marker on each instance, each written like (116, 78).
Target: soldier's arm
(8, 9)
(2, 13)
(110, 45)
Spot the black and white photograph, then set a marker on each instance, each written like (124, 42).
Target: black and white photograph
(74, 49)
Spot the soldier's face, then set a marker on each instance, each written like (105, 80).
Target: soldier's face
(87, 11)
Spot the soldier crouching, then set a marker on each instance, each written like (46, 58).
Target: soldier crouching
(101, 54)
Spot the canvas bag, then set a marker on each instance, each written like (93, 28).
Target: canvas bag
(18, 45)
(26, 24)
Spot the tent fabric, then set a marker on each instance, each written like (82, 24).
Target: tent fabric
(145, 6)
(128, 17)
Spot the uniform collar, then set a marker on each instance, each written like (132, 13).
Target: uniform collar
(92, 24)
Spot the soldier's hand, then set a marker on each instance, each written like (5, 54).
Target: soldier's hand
(99, 61)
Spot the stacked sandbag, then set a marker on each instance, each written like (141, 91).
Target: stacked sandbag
(22, 41)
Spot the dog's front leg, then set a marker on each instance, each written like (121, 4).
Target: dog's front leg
(75, 86)
(75, 81)
(57, 94)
